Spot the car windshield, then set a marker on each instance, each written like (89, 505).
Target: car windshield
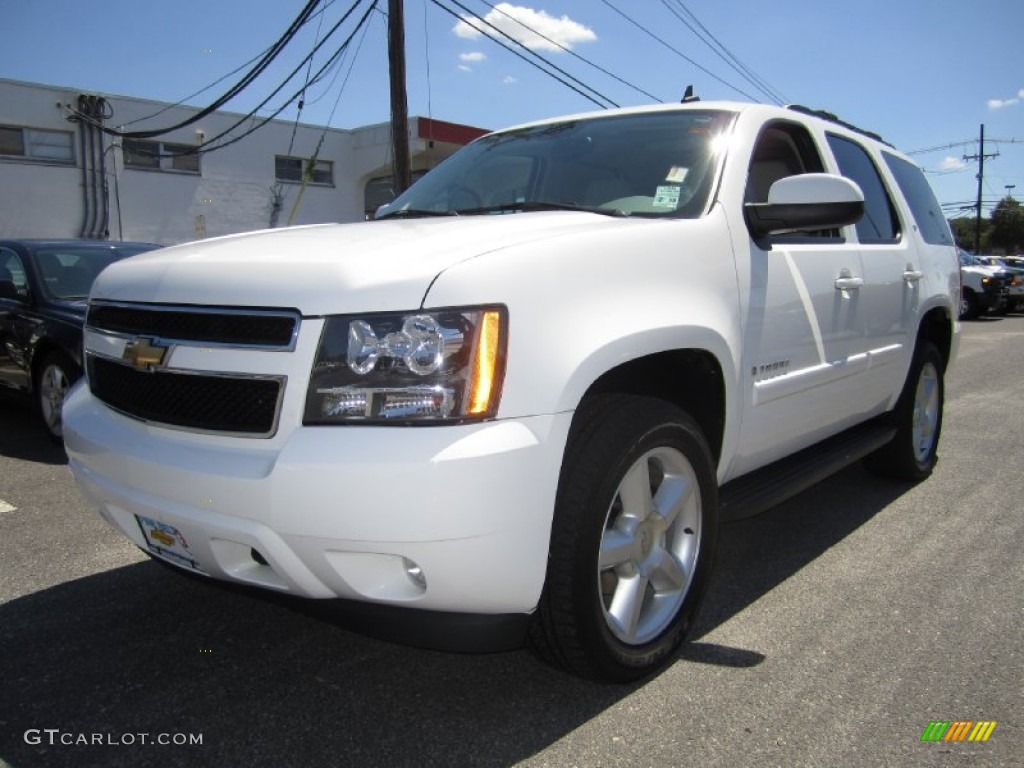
(68, 271)
(655, 164)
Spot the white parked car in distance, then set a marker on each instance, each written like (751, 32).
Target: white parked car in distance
(518, 405)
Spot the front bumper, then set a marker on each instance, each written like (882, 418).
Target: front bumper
(338, 511)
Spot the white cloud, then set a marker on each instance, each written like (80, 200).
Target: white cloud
(952, 164)
(527, 26)
(509, 79)
(474, 56)
(464, 68)
(1003, 103)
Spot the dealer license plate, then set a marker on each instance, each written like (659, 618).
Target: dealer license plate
(168, 542)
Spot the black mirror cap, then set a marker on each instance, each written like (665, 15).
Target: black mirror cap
(765, 219)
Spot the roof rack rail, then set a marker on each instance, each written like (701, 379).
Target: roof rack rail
(832, 118)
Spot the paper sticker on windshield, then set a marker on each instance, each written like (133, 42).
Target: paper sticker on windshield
(677, 174)
(666, 197)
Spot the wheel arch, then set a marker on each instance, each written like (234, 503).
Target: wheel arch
(691, 379)
(937, 327)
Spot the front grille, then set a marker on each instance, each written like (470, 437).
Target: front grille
(198, 401)
(211, 325)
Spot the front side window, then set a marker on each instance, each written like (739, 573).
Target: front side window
(292, 169)
(879, 223)
(37, 144)
(159, 156)
(13, 280)
(653, 164)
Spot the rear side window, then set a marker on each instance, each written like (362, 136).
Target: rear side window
(879, 223)
(923, 205)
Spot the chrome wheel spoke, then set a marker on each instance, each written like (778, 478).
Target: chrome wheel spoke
(668, 574)
(672, 497)
(635, 492)
(617, 548)
(627, 604)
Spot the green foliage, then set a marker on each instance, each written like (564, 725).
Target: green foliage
(964, 232)
(1007, 232)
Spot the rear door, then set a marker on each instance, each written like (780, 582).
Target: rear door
(892, 271)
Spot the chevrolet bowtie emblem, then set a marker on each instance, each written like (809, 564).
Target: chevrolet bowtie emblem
(143, 354)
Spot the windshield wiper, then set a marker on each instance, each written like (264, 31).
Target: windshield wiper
(540, 205)
(415, 213)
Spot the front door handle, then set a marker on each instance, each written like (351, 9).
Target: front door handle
(912, 275)
(847, 282)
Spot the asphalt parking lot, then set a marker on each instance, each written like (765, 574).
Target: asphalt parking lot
(839, 625)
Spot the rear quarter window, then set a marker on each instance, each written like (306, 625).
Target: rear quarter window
(925, 208)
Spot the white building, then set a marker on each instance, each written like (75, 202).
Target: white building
(61, 176)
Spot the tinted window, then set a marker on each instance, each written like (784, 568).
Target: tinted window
(879, 223)
(923, 205)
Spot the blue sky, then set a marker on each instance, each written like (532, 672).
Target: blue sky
(923, 73)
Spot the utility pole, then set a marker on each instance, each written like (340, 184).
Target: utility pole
(980, 157)
(399, 103)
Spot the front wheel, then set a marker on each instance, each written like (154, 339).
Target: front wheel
(54, 378)
(912, 453)
(632, 541)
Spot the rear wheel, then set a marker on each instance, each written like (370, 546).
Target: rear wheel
(912, 453)
(632, 541)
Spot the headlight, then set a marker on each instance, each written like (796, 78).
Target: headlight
(433, 366)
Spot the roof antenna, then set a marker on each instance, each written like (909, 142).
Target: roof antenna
(688, 96)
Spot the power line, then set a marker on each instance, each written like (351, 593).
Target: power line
(315, 79)
(587, 96)
(679, 53)
(571, 52)
(222, 78)
(705, 36)
(241, 85)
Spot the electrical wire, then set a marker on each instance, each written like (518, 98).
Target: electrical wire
(207, 148)
(679, 53)
(571, 52)
(222, 78)
(588, 97)
(241, 85)
(716, 46)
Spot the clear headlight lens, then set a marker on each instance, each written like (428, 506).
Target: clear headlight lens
(437, 366)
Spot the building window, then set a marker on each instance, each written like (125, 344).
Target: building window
(291, 169)
(37, 144)
(381, 191)
(159, 156)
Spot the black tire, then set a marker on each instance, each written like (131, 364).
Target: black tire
(969, 306)
(913, 452)
(627, 454)
(53, 378)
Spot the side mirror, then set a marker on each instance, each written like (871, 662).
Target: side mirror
(8, 291)
(804, 203)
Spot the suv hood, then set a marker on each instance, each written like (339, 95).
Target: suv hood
(330, 268)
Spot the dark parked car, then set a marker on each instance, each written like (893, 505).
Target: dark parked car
(43, 289)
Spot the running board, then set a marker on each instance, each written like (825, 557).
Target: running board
(769, 486)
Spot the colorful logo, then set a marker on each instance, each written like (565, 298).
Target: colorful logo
(958, 730)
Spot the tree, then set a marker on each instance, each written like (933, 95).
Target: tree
(1007, 231)
(963, 232)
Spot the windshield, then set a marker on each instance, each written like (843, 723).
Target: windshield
(658, 164)
(68, 272)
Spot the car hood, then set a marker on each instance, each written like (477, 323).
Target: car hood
(331, 268)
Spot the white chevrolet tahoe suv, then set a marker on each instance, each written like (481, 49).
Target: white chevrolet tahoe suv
(518, 404)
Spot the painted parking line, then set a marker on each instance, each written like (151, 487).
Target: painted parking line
(5, 507)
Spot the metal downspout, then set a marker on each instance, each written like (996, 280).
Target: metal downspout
(82, 128)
